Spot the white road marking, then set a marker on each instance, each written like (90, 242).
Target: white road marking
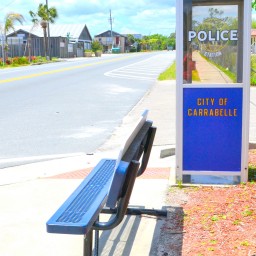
(143, 70)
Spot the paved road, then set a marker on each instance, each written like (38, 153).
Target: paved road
(72, 106)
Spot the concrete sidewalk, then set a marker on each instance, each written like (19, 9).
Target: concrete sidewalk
(208, 72)
(30, 194)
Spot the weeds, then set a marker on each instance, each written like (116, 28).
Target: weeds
(245, 243)
(247, 213)
(236, 222)
(252, 173)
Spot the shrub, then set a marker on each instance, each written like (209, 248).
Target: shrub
(8, 62)
(252, 172)
(23, 60)
(133, 49)
(15, 61)
(33, 59)
(96, 46)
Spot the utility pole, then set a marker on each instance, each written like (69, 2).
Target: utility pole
(111, 21)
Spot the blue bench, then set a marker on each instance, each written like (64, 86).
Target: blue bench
(107, 189)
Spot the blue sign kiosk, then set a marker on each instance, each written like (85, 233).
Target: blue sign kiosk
(213, 87)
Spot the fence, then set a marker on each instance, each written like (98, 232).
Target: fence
(228, 60)
(59, 47)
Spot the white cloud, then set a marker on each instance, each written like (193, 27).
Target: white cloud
(140, 16)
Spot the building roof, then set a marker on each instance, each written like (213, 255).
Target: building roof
(253, 32)
(56, 30)
(108, 34)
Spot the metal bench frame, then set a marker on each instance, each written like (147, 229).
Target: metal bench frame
(133, 164)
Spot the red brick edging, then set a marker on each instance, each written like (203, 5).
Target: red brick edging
(150, 173)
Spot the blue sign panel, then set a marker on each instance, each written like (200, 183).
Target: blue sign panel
(212, 129)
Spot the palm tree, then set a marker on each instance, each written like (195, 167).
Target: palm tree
(43, 16)
(9, 22)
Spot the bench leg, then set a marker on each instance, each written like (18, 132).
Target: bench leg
(96, 240)
(88, 244)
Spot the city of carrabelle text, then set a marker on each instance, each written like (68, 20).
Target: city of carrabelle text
(218, 108)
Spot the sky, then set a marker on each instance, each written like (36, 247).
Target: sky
(146, 17)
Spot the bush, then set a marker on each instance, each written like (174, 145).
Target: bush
(34, 59)
(96, 46)
(15, 61)
(252, 173)
(19, 61)
(253, 69)
(133, 49)
(88, 53)
(23, 60)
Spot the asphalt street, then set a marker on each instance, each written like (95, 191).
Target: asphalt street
(71, 107)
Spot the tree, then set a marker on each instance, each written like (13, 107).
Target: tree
(131, 39)
(171, 41)
(43, 16)
(9, 22)
(254, 7)
(215, 13)
(254, 4)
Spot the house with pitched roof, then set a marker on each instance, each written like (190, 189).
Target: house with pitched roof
(65, 40)
(112, 41)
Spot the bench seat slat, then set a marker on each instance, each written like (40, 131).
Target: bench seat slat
(81, 209)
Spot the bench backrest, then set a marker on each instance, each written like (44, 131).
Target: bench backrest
(133, 164)
(140, 146)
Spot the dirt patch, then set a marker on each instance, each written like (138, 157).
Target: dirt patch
(206, 221)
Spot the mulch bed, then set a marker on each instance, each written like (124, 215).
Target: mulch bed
(220, 221)
(211, 220)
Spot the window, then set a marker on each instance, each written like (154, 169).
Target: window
(212, 37)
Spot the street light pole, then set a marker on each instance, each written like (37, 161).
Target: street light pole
(48, 32)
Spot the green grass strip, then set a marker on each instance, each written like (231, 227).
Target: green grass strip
(169, 73)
